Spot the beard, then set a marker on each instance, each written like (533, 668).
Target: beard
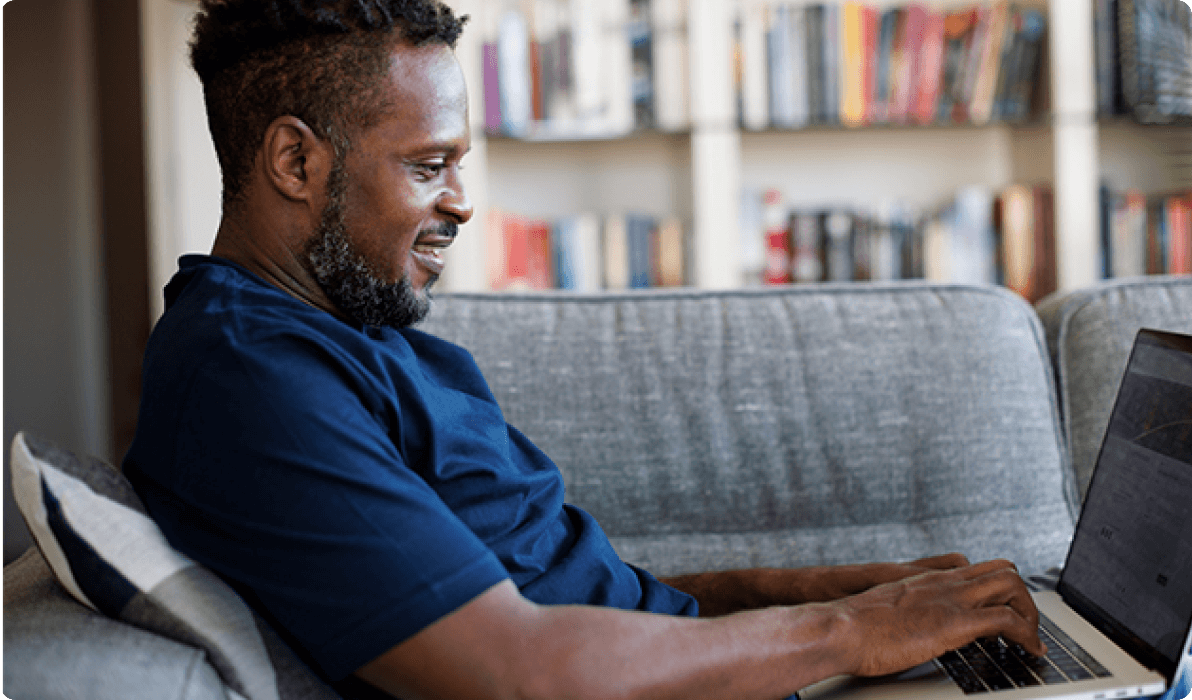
(348, 279)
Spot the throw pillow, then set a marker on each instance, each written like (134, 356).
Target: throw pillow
(106, 551)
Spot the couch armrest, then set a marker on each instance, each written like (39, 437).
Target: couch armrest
(57, 649)
(1090, 332)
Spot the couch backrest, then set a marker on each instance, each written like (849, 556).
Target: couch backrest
(1090, 332)
(787, 426)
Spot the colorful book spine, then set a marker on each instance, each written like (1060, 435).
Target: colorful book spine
(853, 109)
(777, 239)
(492, 88)
(931, 66)
(1178, 210)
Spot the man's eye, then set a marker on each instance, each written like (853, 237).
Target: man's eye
(430, 169)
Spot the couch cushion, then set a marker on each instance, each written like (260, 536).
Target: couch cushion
(106, 552)
(57, 649)
(787, 426)
(1090, 333)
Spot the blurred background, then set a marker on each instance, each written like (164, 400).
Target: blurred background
(620, 144)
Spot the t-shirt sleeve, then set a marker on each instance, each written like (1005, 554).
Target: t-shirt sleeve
(286, 481)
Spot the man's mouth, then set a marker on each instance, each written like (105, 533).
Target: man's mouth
(429, 246)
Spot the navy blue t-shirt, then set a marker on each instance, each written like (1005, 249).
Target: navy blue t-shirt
(354, 483)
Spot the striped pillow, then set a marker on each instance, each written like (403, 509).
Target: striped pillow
(105, 550)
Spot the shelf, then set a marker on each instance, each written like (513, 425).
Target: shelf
(700, 173)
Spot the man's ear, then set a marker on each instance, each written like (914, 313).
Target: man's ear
(295, 161)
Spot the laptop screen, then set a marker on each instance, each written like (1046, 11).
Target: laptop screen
(1129, 569)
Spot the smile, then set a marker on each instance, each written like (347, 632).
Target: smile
(428, 251)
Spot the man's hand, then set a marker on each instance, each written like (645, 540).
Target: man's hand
(898, 625)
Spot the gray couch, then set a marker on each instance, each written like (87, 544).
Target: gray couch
(710, 430)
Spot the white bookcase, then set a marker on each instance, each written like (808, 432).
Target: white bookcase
(700, 174)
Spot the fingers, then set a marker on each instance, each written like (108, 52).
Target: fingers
(942, 562)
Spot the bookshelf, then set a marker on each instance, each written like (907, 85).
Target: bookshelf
(699, 173)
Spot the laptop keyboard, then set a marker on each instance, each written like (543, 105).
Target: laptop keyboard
(991, 664)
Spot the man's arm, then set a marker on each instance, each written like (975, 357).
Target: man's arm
(500, 645)
(724, 592)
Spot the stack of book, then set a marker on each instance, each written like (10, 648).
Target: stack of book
(1144, 59)
(584, 68)
(1145, 236)
(585, 252)
(857, 64)
(829, 243)
(979, 237)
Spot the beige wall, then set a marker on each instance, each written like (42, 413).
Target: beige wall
(55, 363)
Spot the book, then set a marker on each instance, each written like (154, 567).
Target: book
(1018, 240)
(777, 239)
(615, 240)
(1128, 233)
(576, 243)
(1178, 214)
(854, 110)
(931, 66)
(838, 245)
(1045, 253)
(813, 45)
(870, 20)
(806, 247)
(988, 64)
(832, 63)
(492, 88)
(530, 258)
(959, 242)
(1017, 102)
(879, 111)
(1105, 46)
(519, 252)
(906, 66)
(639, 233)
(1155, 51)
(800, 109)
(513, 61)
(1156, 238)
(959, 27)
(970, 65)
(670, 253)
(641, 43)
(780, 57)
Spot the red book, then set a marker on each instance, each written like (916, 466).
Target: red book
(539, 109)
(1179, 235)
(931, 70)
(905, 69)
(870, 28)
(777, 240)
(539, 273)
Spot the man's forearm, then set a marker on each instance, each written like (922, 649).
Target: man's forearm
(724, 592)
(502, 646)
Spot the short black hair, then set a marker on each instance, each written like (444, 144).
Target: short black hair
(321, 61)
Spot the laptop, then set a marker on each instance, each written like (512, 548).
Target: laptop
(1117, 624)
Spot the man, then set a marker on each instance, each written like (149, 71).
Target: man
(354, 479)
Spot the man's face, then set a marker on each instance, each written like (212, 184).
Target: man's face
(394, 202)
